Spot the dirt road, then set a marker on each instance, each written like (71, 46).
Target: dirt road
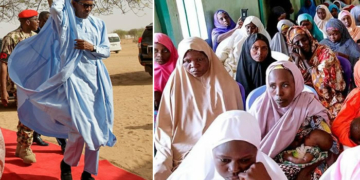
(133, 113)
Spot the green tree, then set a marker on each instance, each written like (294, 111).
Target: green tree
(121, 33)
(9, 9)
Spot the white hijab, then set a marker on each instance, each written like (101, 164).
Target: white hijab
(229, 49)
(278, 42)
(229, 126)
(321, 23)
(346, 167)
(189, 105)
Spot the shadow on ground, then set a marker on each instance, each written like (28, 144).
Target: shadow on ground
(131, 78)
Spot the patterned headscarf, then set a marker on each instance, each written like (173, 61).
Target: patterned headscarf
(297, 30)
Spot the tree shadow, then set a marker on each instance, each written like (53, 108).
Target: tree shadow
(131, 78)
(144, 127)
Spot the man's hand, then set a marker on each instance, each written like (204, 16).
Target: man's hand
(4, 98)
(84, 45)
(257, 171)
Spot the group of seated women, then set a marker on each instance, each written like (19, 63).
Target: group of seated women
(202, 130)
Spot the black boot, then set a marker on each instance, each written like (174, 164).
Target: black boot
(37, 139)
(62, 143)
(86, 176)
(65, 171)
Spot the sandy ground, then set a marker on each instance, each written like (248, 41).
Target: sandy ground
(133, 127)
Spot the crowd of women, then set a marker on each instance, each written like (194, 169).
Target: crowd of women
(203, 128)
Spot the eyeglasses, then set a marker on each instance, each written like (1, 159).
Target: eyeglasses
(86, 5)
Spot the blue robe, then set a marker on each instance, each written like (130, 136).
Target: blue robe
(62, 89)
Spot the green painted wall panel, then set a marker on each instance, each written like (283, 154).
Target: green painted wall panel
(157, 26)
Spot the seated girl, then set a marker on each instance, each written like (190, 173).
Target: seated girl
(314, 148)
(230, 49)
(255, 57)
(224, 27)
(340, 41)
(229, 149)
(348, 20)
(350, 110)
(278, 42)
(165, 55)
(322, 16)
(319, 67)
(285, 112)
(306, 21)
(198, 90)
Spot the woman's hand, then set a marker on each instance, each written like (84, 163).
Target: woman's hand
(296, 54)
(239, 23)
(256, 171)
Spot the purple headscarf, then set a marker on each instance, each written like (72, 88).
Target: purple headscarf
(220, 29)
(280, 125)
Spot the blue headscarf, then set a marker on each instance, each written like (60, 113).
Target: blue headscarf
(316, 33)
(355, 12)
(309, 10)
(346, 45)
(219, 28)
(332, 6)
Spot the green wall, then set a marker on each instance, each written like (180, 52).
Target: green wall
(157, 26)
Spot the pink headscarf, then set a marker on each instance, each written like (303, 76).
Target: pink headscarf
(162, 72)
(357, 74)
(353, 29)
(346, 167)
(279, 125)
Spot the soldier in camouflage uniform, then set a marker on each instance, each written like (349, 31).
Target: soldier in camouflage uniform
(29, 23)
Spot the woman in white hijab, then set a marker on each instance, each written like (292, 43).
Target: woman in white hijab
(198, 90)
(322, 16)
(229, 49)
(278, 42)
(346, 167)
(229, 150)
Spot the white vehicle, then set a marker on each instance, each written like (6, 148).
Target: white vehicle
(114, 42)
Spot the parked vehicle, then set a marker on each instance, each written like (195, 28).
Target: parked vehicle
(115, 41)
(145, 45)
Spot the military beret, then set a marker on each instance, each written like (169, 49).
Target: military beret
(28, 13)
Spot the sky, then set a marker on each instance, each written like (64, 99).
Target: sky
(117, 20)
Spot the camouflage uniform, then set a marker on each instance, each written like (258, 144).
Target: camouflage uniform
(24, 134)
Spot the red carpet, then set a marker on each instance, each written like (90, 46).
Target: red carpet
(47, 166)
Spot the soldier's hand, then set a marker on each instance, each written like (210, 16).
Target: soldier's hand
(4, 98)
(84, 45)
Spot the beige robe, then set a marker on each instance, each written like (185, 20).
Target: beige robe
(189, 105)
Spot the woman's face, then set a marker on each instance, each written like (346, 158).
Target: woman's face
(281, 17)
(334, 35)
(282, 86)
(162, 54)
(307, 24)
(234, 157)
(346, 20)
(196, 63)
(259, 51)
(251, 29)
(337, 4)
(321, 13)
(224, 19)
(303, 42)
(284, 31)
(334, 13)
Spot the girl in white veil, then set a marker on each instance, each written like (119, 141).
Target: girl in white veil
(235, 125)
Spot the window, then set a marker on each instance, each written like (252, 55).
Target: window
(192, 19)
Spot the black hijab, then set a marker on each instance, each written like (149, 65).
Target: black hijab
(251, 74)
